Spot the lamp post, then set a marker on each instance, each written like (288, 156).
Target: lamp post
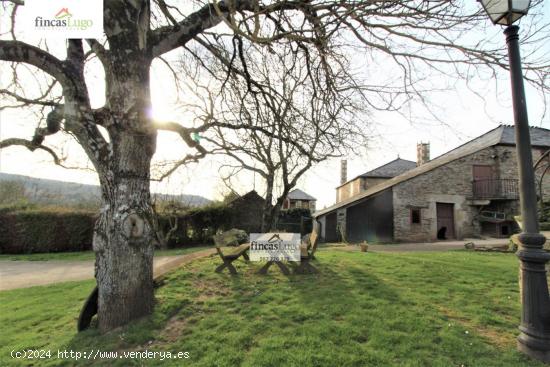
(534, 337)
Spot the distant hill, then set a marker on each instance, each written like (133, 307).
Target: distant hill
(48, 192)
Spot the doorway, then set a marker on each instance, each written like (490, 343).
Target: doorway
(445, 221)
(484, 184)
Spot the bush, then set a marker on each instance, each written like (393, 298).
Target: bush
(294, 215)
(512, 246)
(295, 220)
(196, 225)
(233, 237)
(28, 231)
(544, 211)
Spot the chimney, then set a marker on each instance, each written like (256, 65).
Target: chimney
(422, 153)
(343, 171)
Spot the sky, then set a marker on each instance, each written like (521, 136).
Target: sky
(461, 113)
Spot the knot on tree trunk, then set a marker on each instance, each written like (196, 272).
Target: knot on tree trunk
(133, 226)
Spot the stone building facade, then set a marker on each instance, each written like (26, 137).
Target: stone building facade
(471, 191)
(454, 186)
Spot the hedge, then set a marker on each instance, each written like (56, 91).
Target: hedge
(32, 230)
(29, 231)
(295, 220)
(197, 225)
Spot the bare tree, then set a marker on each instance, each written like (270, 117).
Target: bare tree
(295, 117)
(119, 138)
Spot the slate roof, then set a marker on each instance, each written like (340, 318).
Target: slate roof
(502, 135)
(388, 170)
(540, 137)
(391, 169)
(298, 194)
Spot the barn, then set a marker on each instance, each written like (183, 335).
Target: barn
(470, 191)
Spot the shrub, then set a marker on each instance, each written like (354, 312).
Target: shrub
(233, 237)
(195, 225)
(544, 211)
(295, 220)
(28, 231)
(512, 246)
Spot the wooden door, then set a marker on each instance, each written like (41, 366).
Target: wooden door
(483, 172)
(483, 181)
(445, 221)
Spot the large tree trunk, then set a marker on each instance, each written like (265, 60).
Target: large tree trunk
(270, 217)
(124, 234)
(267, 218)
(275, 211)
(123, 242)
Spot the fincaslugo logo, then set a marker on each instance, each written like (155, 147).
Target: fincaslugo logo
(64, 18)
(275, 247)
(63, 13)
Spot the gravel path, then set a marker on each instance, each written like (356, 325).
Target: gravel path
(426, 246)
(23, 274)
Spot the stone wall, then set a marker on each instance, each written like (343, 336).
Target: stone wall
(341, 215)
(452, 183)
(322, 221)
(539, 172)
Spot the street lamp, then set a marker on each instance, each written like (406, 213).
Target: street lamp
(534, 337)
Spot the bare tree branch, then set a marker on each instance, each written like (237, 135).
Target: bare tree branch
(18, 51)
(32, 146)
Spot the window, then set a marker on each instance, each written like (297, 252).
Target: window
(415, 216)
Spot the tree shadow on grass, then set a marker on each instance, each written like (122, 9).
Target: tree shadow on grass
(344, 315)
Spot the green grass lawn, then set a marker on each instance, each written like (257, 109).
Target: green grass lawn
(89, 255)
(362, 309)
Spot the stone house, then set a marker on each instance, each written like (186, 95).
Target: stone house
(469, 191)
(299, 199)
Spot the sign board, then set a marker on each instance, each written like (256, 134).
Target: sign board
(275, 246)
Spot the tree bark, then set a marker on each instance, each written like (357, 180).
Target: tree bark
(124, 233)
(270, 217)
(267, 217)
(123, 242)
(276, 209)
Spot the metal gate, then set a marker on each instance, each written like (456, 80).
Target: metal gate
(371, 219)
